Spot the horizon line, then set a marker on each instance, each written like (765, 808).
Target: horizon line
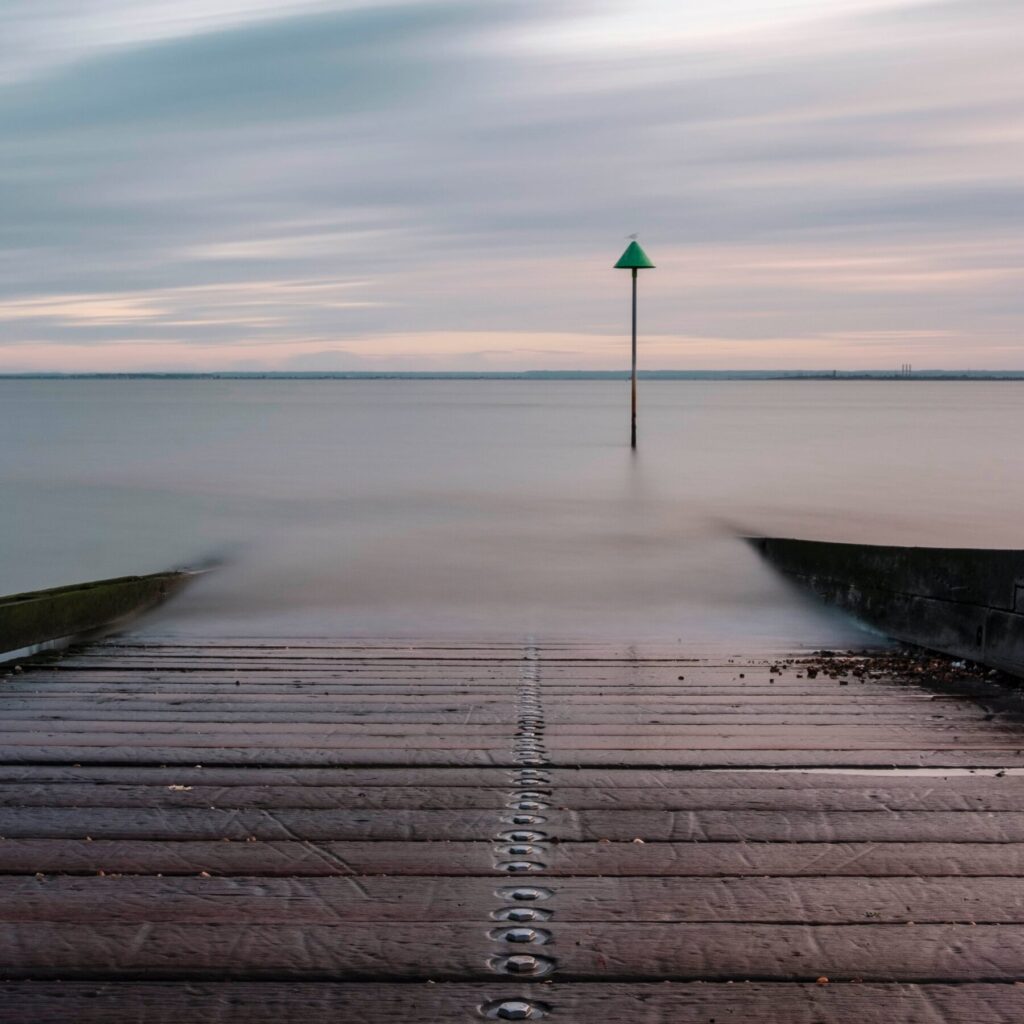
(765, 374)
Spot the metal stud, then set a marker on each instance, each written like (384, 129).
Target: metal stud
(521, 915)
(520, 850)
(524, 893)
(522, 935)
(520, 867)
(525, 819)
(523, 964)
(514, 1009)
(523, 836)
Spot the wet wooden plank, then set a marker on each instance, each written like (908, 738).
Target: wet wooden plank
(679, 701)
(377, 722)
(461, 732)
(262, 675)
(448, 1003)
(682, 951)
(450, 858)
(323, 732)
(298, 757)
(440, 775)
(974, 782)
(351, 746)
(261, 756)
(428, 711)
(569, 707)
(475, 900)
(439, 796)
(621, 825)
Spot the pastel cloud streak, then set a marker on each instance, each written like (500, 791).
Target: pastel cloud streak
(236, 184)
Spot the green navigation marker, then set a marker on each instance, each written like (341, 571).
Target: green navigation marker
(634, 259)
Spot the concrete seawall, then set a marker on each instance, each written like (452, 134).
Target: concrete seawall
(961, 601)
(43, 616)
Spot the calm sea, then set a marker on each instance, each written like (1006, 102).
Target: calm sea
(499, 509)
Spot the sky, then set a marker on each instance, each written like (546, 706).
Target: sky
(432, 185)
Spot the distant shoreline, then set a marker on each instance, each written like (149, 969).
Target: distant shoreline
(551, 375)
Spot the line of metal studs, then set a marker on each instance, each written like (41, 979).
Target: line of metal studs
(521, 850)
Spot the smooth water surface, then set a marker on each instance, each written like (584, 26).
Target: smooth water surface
(493, 508)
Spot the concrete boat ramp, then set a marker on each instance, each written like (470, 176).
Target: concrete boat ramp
(326, 831)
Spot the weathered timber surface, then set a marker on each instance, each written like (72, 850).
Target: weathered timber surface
(297, 900)
(976, 782)
(271, 831)
(444, 857)
(561, 826)
(447, 951)
(986, 797)
(995, 756)
(106, 1002)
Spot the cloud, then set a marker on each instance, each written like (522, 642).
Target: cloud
(476, 167)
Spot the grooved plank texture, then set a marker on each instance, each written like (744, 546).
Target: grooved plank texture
(327, 830)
